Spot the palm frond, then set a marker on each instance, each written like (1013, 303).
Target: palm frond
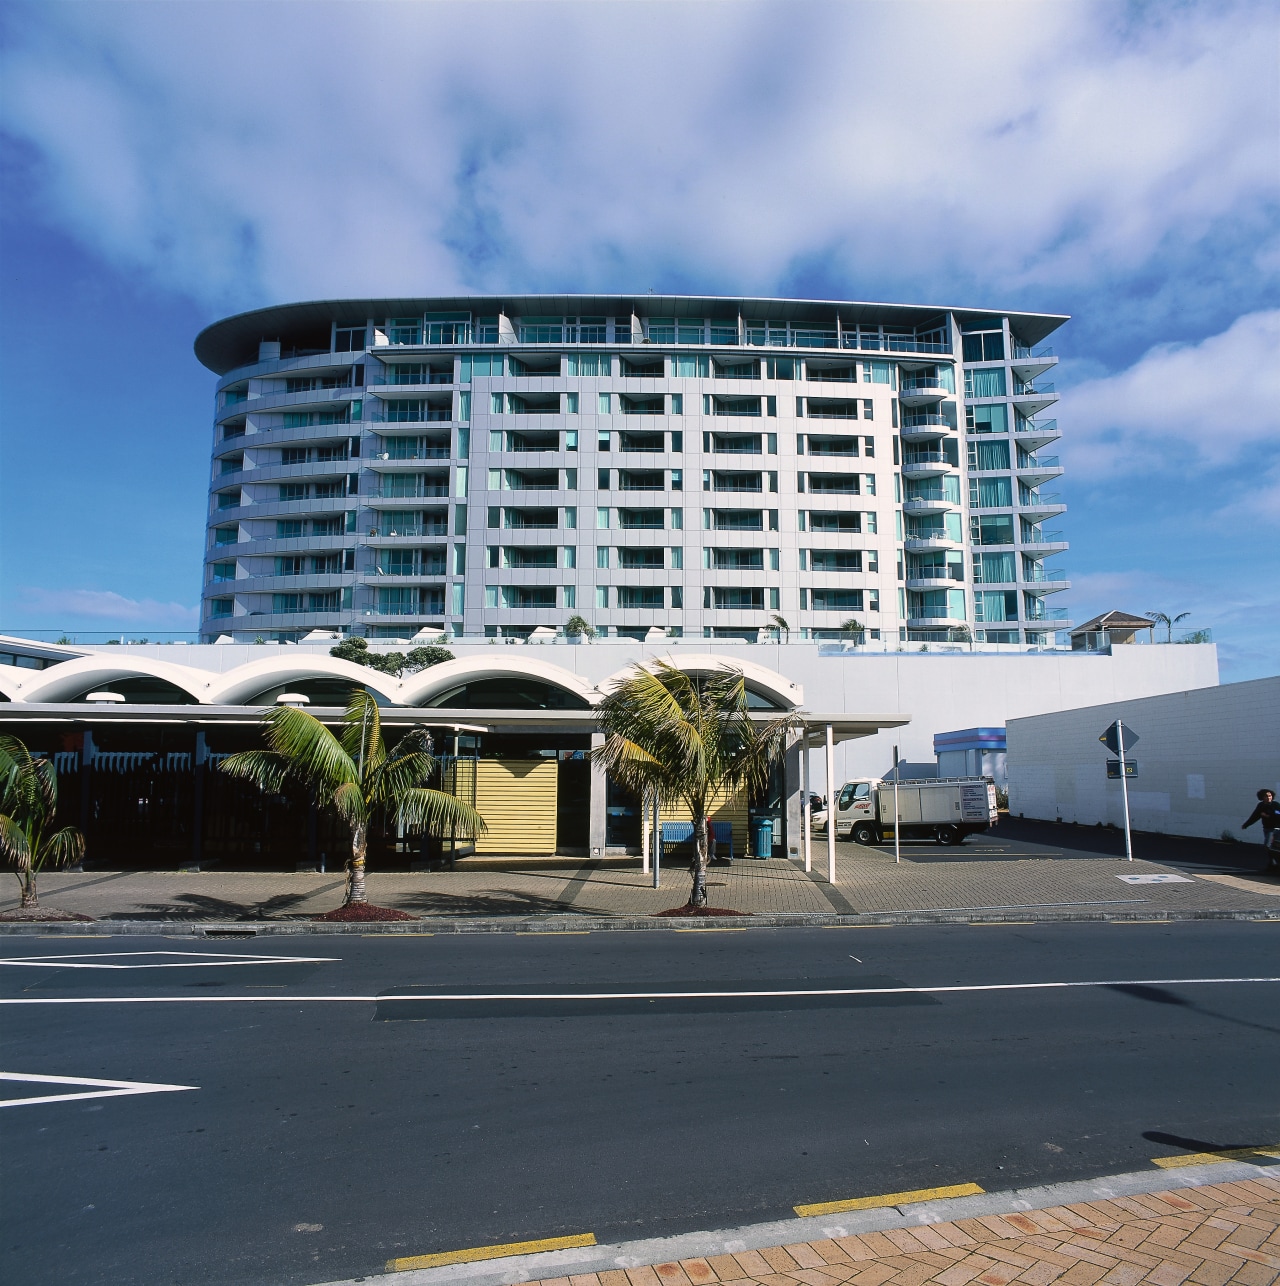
(362, 731)
(267, 769)
(437, 811)
(45, 788)
(62, 848)
(316, 755)
(398, 773)
(14, 844)
(349, 802)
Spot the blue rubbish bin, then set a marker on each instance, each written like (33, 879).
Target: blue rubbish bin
(764, 837)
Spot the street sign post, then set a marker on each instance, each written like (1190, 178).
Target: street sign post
(1118, 739)
(897, 817)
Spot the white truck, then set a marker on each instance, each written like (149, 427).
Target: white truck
(944, 809)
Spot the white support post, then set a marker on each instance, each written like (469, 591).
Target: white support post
(657, 843)
(1124, 791)
(832, 800)
(806, 811)
(646, 837)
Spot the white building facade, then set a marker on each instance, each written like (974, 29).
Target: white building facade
(488, 466)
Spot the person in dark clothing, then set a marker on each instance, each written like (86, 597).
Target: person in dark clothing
(1268, 814)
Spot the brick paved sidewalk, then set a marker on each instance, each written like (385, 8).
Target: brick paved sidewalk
(1210, 1235)
(867, 881)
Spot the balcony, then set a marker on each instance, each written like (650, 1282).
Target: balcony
(1029, 399)
(928, 505)
(1045, 541)
(1035, 433)
(925, 464)
(1027, 365)
(922, 390)
(1057, 616)
(922, 542)
(924, 428)
(929, 578)
(923, 618)
(1044, 506)
(386, 462)
(1033, 470)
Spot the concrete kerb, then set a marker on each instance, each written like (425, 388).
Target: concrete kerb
(784, 1232)
(578, 924)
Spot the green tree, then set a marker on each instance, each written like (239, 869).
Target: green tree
(356, 649)
(354, 775)
(690, 738)
(1161, 618)
(28, 807)
(780, 626)
(579, 627)
(853, 629)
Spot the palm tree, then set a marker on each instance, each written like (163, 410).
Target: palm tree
(1160, 618)
(28, 806)
(854, 629)
(780, 625)
(683, 737)
(354, 775)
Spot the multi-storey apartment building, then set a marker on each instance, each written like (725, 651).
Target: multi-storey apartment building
(699, 466)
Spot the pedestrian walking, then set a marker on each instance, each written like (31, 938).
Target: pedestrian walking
(1267, 813)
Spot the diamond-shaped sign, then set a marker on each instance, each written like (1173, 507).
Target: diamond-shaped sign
(1111, 739)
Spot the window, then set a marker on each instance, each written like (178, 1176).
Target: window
(221, 606)
(835, 522)
(571, 596)
(480, 366)
(677, 519)
(831, 600)
(588, 364)
(602, 400)
(781, 368)
(231, 535)
(836, 560)
(677, 557)
(290, 491)
(991, 493)
(229, 499)
(640, 519)
(571, 517)
(602, 479)
(677, 479)
(677, 404)
(877, 373)
(286, 603)
(602, 596)
(868, 409)
(984, 348)
(993, 569)
(735, 560)
(987, 419)
(677, 441)
(602, 556)
(869, 447)
(992, 529)
(985, 383)
(349, 339)
(602, 519)
(995, 605)
(495, 403)
(988, 455)
(734, 598)
(641, 596)
(571, 403)
(689, 366)
(224, 571)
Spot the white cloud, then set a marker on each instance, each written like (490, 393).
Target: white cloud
(302, 150)
(1208, 404)
(59, 606)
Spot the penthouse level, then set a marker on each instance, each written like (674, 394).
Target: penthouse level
(699, 466)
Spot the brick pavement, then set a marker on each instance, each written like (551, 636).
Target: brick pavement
(867, 881)
(1209, 1235)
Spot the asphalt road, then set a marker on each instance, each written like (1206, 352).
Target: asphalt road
(326, 1136)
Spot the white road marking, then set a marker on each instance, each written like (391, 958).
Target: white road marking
(1155, 879)
(631, 995)
(185, 960)
(105, 1089)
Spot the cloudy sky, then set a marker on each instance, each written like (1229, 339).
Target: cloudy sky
(167, 163)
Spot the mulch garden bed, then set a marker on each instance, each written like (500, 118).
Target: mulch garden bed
(42, 915)
(364, 912)
(699, 911)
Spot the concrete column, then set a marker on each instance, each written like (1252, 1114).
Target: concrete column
(806, 788)
(793, 807)
(86, 785)
(597, 799)
(833, 792)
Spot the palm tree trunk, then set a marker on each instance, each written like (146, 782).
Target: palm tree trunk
(698, 894)
(28, 877)
(355, 867)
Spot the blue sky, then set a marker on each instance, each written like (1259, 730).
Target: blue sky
(165, 164)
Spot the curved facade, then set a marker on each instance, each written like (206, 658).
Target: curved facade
(491, 466)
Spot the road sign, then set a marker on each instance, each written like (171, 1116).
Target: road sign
(1111, 739)
(1113, 768)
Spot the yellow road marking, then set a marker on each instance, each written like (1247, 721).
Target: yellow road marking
(889, 1199)
(489, 1252)
(1210, 1158)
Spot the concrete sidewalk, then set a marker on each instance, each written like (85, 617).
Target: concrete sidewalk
(868, 883)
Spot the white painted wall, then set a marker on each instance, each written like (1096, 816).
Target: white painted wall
(1201, 757)
(941, 692)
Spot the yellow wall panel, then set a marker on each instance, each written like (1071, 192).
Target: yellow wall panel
(732, 809)
(517, 799)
